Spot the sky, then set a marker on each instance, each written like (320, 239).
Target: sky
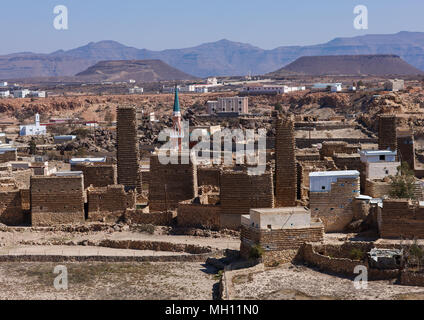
(27, 25)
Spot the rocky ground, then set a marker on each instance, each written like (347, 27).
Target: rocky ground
(291, 282)
(109, 281)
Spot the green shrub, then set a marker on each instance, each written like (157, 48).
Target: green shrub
(356, 254)
(256, 252)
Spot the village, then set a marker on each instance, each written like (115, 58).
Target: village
(333, 195)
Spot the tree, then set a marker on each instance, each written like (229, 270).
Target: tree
(278, 107)
(32, 147)
(403, 183)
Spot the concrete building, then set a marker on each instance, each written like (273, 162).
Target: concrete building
(337, 87)
(21, 93)
(269, 89)
(238, 105)
(33, 129)
(379, 163)
(3, 84)
(278, 218)
(4, 94)
(394, 85)
(63, 139)
(330, 197)
(135, 90)
(37, 94)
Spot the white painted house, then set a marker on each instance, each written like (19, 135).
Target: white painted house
(379, 163)
(33, 129)
(277, 218)
(21, 93)
(4, 94)
(321, 181)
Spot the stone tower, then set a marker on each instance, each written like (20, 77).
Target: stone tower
(387, 138)
(285, 163)
(127, 148)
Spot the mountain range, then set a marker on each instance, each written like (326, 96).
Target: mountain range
(221, 58)
(359, 65)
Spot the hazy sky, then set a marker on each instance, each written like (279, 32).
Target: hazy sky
(27, 25)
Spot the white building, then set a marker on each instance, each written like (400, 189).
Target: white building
(21, 93)
(277, 218)
(37, 94)
(321, 181)
(212, 81)
(4, 94)
(336, 87)
(33, 129)
(269, 89)
(84, 160)
(379, 163)
(231, 104)
(3, 84)
(136, 90)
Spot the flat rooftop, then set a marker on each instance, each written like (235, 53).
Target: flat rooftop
(271, 211)
(352, 173)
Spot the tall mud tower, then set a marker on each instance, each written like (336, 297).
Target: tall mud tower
(285, 163)
(387, 138)
(127, 148)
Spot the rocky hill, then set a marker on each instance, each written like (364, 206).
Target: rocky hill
(371, 65)
(139, 70)
(220, 58)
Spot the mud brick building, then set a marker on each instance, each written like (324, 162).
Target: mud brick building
(8, 154)
(11, 209)
(329, 148)
(199, 215)
(240, 192)
(401, 218)
(285, 163)
(109, 203)
(387, 137)
(57, 199)
(279, 231)
(171, 183)
(304, 168)
(331, 196)
(129, 172)
(377, 188)
(406, 147)
(208, 176)
(97, 174)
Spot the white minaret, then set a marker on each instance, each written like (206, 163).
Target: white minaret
(37, 120)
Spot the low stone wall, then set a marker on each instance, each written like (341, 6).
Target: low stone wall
(164, 218)
(59, 258)
(377, 189)
(409, 278)
(154, 246)
(199, 215)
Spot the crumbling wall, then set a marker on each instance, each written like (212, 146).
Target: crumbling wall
(285, 163)
(402, 218)
(97, 174)
(198, 215)
(329, 148)
(11, 212)
(376, 188)
(240, 192)
(334, 207)
(387, 138)
(109, 203)
(163, 218)
(208, 176)
(171, 183)
(57, 200)
(7, 156)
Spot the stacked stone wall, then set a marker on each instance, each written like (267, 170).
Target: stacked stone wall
(199, 215)
(96, 174)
